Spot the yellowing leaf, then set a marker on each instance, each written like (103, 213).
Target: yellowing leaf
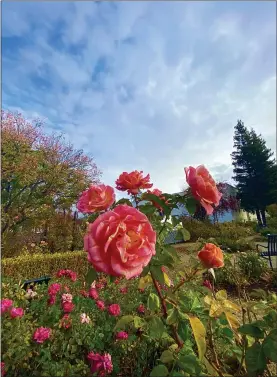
(216, 309)
(208, 300)
(199, 333)
(232, 320)
(167, 280)
(231, 305)
(210, 368)
(221, 295)
(144, 281)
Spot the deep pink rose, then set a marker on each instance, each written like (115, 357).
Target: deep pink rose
(68, 307)
(207, 284)
(3, 372)
(97, 198)
(100, 304)
(100, 364)
(66, 322)
(141, 309)
(67, 273)
(114, 310)
(120, 242)
(6, 304)
(16, 312)
(41, 334)
(122, 335)
(51, 300)
(93, 293)
(54, 289)
(124, 290)
(203, 187)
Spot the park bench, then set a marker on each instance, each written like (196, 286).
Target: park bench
(32, 282)
(271, 248)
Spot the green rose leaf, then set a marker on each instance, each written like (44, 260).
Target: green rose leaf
(167, 357)
(191, 204)
(153, 302)
(172, 316)
(251, 330)
(156, 327)
(157, 273)
(255, 359)
(270, 346)
(123, 321)
(159, 371)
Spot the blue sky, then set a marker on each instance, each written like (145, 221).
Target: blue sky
(152, 86)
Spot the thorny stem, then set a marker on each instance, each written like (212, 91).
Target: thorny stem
(184, 281)
(176, 336)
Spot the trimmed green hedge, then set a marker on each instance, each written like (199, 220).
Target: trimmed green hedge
(38, 265)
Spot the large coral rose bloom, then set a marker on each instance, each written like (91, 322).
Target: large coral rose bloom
(133, 182)
(203, 187)
(97, 198)
(120, 242)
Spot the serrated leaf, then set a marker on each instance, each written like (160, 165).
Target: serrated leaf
(270, 346)
(251, 330)
(157, 273)
(166, 357)
(156, 327)
(153, 302)
(189, 364)
(216, 309)
(145, 281)
(221, 295)
(167, 280)
(172, 316)
(231, 305)
(159, 371)
(232, 320)
(185, 234)
(255, 359)
(199, 333)
(123, 321)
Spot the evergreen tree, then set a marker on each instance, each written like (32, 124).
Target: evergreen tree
(254, 171)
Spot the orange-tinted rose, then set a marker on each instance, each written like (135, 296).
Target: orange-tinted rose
(133, 182)
(158, 193)
(203, 187)
(96, 198)
(120, 242)
(211, 256)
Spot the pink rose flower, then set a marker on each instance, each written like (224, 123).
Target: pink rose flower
(100, 304)
(6, 304)
(114, 310)
(67, 297)
(120, 242)
(100, 364)
(54, 288)
(93, 294)
(16, 312)
(51, 300)
(203, 187)
(122, 335)
(97, 198)
(41, 334)
(141, 309)
(124, 290)
(207, 284)
(68, 307)
(84, 318)
(67, 273)
(3, 372)
(66, 321)
(133, 182)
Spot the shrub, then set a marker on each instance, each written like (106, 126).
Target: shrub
(26, 267)
(205, 229)
(231, 245)
(252, 265)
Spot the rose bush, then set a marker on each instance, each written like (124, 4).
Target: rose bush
(149, 315)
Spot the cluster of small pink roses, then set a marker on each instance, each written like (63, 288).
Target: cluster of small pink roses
(7, 307)
(68, 274)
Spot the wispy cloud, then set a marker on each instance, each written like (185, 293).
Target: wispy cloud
(153, 86)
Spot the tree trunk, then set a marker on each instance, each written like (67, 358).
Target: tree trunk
(258, 214)
(263, 217)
